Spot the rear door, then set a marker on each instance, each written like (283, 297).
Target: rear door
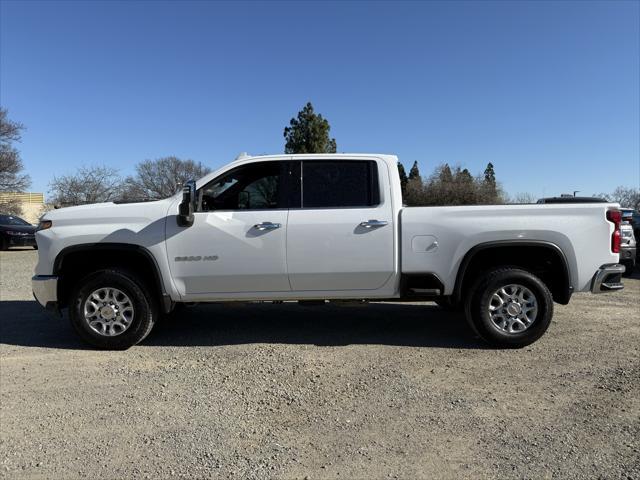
(340, 236)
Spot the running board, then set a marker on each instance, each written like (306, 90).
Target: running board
(425, 291)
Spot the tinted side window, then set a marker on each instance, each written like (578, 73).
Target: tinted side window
(343, 183)
(256, 186)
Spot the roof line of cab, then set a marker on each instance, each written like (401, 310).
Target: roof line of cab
(245, 156)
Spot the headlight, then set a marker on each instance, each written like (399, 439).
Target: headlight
(44, 224)
(13, 232)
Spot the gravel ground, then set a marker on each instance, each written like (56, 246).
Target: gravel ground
(289, 391)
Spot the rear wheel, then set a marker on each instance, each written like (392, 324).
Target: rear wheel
(509, 307)
(112, 309)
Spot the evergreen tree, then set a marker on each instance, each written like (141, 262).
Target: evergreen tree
(490, 175)
(308, 133)
(445, 174)
(489, 187)
(465, 188)
(414, 173)
(465, 176)
(403, 178)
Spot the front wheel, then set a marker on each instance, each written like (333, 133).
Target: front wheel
(112, 309)
(509, 307)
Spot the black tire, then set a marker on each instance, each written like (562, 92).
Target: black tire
(4, 244)
(479, 298)
(629, 267)
(145, 308)
(35, 247)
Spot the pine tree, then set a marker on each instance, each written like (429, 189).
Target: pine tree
(465, 176)
(490, 175)
(308, 133)
(414, 173)
(403, 178)
(445, 174)
(489, 186)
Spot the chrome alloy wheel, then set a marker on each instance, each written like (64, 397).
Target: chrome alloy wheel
(108, 311)
(513, 308)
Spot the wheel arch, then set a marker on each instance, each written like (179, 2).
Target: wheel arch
(70, 264)
(555, 273)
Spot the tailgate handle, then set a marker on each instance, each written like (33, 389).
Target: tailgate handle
(373, 223)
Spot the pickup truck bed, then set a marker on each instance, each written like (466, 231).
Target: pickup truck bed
(577, 233)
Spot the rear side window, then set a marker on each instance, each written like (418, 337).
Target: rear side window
(343, 183)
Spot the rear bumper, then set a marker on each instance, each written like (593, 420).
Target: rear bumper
(45, 290)
(608, 278)
(628, 254)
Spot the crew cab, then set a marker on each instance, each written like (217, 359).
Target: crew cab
(320, 227)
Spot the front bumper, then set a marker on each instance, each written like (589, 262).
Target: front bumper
(22, 240)
(45, 290)
(608, 278)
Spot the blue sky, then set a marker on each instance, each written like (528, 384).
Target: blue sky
(547, 91)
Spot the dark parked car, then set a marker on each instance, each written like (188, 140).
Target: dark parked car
(15, 232)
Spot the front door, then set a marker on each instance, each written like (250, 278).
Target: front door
(236, 244)
(342, 237)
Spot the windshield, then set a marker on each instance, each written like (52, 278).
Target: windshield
(11, 220)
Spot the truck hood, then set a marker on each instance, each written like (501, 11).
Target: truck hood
(109, 212)
(131, 223)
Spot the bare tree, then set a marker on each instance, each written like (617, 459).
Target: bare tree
(161, 178)
(11, 177)
(10, 206)
(414, 194)
(522, 197)
(625, 196)
(87, 185)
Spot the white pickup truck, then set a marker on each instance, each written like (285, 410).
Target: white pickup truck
(319, 227)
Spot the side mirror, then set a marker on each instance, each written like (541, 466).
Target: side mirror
(188, 204)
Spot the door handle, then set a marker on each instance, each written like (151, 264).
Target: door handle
(373, 223)
(266, 226)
